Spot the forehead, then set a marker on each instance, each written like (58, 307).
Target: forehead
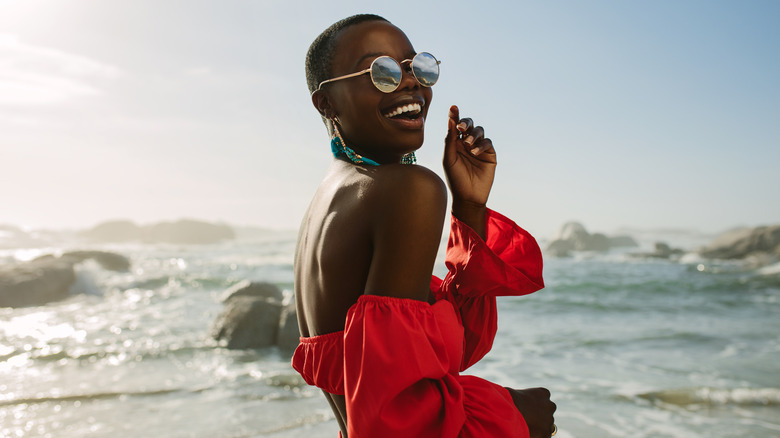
(371, 37)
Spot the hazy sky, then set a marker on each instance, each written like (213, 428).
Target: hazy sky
(613, 113)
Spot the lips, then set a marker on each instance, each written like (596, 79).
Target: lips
(406, 112)
(411, 109)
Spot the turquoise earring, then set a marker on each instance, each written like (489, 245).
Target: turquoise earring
(340, 150)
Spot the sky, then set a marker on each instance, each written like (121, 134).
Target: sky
(662, 114)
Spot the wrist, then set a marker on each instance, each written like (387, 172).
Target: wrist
(472, 214)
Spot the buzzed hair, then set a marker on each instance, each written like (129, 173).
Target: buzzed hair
(319, 59)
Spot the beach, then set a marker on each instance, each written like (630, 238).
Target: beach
(628, 346)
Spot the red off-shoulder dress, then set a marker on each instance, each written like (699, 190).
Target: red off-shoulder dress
(398, 361)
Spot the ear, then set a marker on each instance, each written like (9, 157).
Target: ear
(323, 104)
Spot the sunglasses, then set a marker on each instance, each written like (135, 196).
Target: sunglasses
(386, 72)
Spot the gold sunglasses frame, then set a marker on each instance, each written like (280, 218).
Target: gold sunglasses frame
(368, 70)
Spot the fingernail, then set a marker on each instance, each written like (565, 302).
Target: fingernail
(461, 126)
(469, 140)
(474, 151)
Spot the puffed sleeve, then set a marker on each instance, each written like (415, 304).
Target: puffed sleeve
(507, 263)
(401, 360)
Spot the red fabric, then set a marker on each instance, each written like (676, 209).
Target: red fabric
(319, 360)
(508, 262)
(397, 362)
(401, 375)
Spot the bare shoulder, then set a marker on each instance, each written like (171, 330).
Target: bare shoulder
(408, 205)
(405, 186)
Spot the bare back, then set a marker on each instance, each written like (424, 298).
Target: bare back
(337, 243)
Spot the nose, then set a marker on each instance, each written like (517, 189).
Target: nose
(408, 80)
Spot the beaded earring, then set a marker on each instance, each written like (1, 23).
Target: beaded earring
(409, 158)
(340, 149)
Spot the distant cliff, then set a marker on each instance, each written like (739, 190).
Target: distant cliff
(185, 231)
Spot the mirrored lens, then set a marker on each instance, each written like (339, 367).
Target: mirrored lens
(425, 68)
(386, 74)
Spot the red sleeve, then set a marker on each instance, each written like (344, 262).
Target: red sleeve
(401, 360)
(507, 263)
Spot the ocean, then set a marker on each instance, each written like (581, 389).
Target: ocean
(628, 346)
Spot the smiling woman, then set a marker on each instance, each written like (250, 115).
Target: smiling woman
(382, 338)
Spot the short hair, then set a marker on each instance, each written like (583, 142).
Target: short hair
(319, 58)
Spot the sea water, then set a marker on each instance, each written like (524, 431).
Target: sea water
(629, 347)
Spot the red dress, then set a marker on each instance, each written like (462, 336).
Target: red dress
(398, 361)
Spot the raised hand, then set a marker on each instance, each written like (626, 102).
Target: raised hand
(469, 160)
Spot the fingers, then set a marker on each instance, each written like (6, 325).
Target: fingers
(452, 122)
(473, 137)
(476, 142)
(465, 126)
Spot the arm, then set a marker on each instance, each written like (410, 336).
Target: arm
(470, 165)
(402, 354)
(508, 263)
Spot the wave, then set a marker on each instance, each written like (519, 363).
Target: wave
(85, 397)
(708, 396)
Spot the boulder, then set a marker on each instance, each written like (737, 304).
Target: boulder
(560, 248)
(248, 322)
(256, 315)
(37, 282)
(248, 288)
(48, 278)
(574, 237)
(572, 232)
(595, 242)
(622, 242)
(744, 242)
(107, 260)
(289, 333)
(662, 251)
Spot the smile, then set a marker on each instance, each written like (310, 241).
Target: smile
(409, 111)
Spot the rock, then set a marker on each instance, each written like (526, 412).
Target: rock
(37, 282)
(572, 231)
(744, 242)
(560, 248)
(107, 260)
(574, 237)
(662, 251)
(596, 242)
(47, 278)
(289, 332)
(247, 288)
(189, 232)
(256, 315)
(248, 322)
(622, 242)
(115, 231)
(185, 231)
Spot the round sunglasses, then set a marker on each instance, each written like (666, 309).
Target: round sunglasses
(386, 72)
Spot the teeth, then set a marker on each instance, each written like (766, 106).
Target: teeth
(412, 107)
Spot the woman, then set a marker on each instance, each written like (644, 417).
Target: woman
(382, 339)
